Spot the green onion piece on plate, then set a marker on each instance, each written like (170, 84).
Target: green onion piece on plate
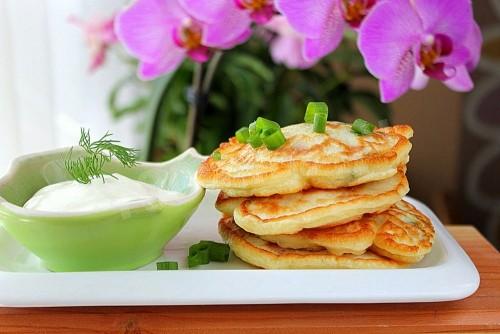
(219, 252)
(315, 108)
(167, 265)
(362, 127)
(205, 251)
(201, 256)
(242, 135)
(216, 155)
(273, 140)
(319, 123)
(193, 249)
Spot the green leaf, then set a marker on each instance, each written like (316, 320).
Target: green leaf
(253, 64)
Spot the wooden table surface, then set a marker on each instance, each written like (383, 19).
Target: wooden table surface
(478, 313)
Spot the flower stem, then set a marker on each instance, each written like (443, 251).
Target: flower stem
(209, 76)
(202, 80)
(153, 116)
(194, 105)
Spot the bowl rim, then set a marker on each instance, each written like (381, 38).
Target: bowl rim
(31, 213)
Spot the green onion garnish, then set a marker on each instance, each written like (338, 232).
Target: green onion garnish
(262, 131)
(254, 141)
(319, 123)
(167, 265)
(315, 108)
(193, 249)
(263, 124)
(362, 127)
(201, 256)
(219, 252)
(274, 140)
(205, 251)
(216, 155)
(252, 129)
(254, 135)
(242, 135)
(270, 133)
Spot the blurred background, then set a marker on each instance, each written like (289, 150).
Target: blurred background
(47, 93)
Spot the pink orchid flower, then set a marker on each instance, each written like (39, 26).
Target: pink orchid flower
(426, 38)
(162, 33)
(322, 22)
(99, 35)
(286, 47)
(261, 11)
(230, 17)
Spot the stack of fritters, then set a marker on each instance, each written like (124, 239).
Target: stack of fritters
(322, 200)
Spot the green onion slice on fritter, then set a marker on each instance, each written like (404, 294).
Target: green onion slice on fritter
(362, 127)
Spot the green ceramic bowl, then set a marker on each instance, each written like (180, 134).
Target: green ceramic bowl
(124, 238)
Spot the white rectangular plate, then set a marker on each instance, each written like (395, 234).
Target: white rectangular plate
(446, 273)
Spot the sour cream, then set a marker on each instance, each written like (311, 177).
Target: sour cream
(99, 195)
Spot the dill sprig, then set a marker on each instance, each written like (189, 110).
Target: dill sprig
(97, 154)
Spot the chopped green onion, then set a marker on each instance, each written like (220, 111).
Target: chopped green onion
(167, 265)
(319, 123)
(274, 140)
(252, 129)
(263, 124)
(242, 135)
(201, 256)
(315, 108)
(255, 141)
(362, 127)
(205, 251)
(216, 155)
(197, 247)
(263, 131)
(218, 252)
(267, 132)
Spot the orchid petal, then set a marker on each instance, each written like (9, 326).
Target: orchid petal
(308, 17)
(208, 11)
(263, 15)
(452, 18)
(440, 71)
(330, 37)
(385, 48)
(459, 56)
(98, 58)
(445, 44)
(238, 40)
(461, 82)
(200, 54)
(107, 31)
(279, 24)
(224, 21)
(286, 51)
(473, 42)
(227, 30)
(145, 28)
(286, 47)
(393, 87)
(168, 63)
(420, 80)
